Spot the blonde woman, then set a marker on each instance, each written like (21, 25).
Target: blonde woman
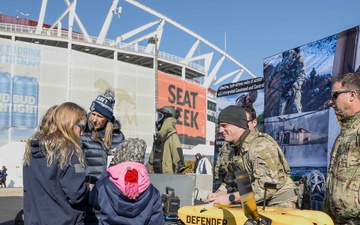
(55, 191)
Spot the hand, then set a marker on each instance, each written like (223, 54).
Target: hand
(215, 197)
(91, 186)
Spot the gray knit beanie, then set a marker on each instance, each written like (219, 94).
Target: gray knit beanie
(130, 150)
(235, 115)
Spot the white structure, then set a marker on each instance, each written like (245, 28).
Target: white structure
(74, 66)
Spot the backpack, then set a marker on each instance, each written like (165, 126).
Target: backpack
(158, 149)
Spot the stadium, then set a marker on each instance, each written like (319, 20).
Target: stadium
(43, 64)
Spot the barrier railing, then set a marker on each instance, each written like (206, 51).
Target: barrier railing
(80, 37)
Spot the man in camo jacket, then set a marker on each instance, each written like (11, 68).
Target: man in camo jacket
(260, 156)
(342, 200)
(223, 156)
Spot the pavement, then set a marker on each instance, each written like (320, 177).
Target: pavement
(11, 202)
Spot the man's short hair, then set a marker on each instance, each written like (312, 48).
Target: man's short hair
(251, 111)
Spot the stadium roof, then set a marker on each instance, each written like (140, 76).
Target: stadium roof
(137, 46)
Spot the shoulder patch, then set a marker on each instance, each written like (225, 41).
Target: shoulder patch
(79, 168)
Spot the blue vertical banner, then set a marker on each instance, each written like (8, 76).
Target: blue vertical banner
(25, 102)
(5, 99)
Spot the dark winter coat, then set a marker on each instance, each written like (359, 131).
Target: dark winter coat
(53, 195)
(95, 152)
(115, 207)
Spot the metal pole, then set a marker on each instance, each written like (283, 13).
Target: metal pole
(156, 72)
(154, 41)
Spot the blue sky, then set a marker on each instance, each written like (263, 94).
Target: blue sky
(254, 29)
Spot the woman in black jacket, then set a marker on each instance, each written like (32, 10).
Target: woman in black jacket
(101, 136)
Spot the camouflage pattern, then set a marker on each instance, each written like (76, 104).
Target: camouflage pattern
(297, 91)
(262, 158)
(221, 163)
(292, 74)
(342, 200)
(132, 149)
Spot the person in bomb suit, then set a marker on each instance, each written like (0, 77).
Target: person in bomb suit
(167, 154)
(343, 181)
(260, 156)
(292, 75)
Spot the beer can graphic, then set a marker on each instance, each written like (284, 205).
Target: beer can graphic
(5, 99)
(25, 102)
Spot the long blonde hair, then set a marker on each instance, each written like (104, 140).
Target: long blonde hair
(57, 135)
(108, 136)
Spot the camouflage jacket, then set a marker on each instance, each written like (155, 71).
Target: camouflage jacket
(262, 158)
(221, 161)
(342, 201)
(290, 68)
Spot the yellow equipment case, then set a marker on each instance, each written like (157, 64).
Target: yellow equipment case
(247, 213)
(234, 215)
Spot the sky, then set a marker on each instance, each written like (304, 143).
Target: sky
(248, 31)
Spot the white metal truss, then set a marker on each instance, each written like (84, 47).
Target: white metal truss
(208, 79)
(211, 68)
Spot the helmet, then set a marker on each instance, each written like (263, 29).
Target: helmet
(169, 109)
(163, 113)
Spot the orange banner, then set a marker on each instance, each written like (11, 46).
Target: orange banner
(190, 99)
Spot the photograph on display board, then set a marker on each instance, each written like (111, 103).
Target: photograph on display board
(304, 143)
(298, 113)
(299, 80)
(297, 94)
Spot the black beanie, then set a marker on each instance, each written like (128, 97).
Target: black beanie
(235, 115)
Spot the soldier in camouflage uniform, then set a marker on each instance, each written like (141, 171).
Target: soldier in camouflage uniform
(260, 156)
(296, 88)
(342, 200)
(292, 74)
(223, 156)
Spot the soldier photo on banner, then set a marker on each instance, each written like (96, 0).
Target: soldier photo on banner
(297, 92)
(297, 113)
(299, 80)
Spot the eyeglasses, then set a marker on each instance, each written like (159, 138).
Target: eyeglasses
(82, 126)
(335, 94)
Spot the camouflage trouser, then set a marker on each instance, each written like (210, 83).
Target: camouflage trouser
(297, 101)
